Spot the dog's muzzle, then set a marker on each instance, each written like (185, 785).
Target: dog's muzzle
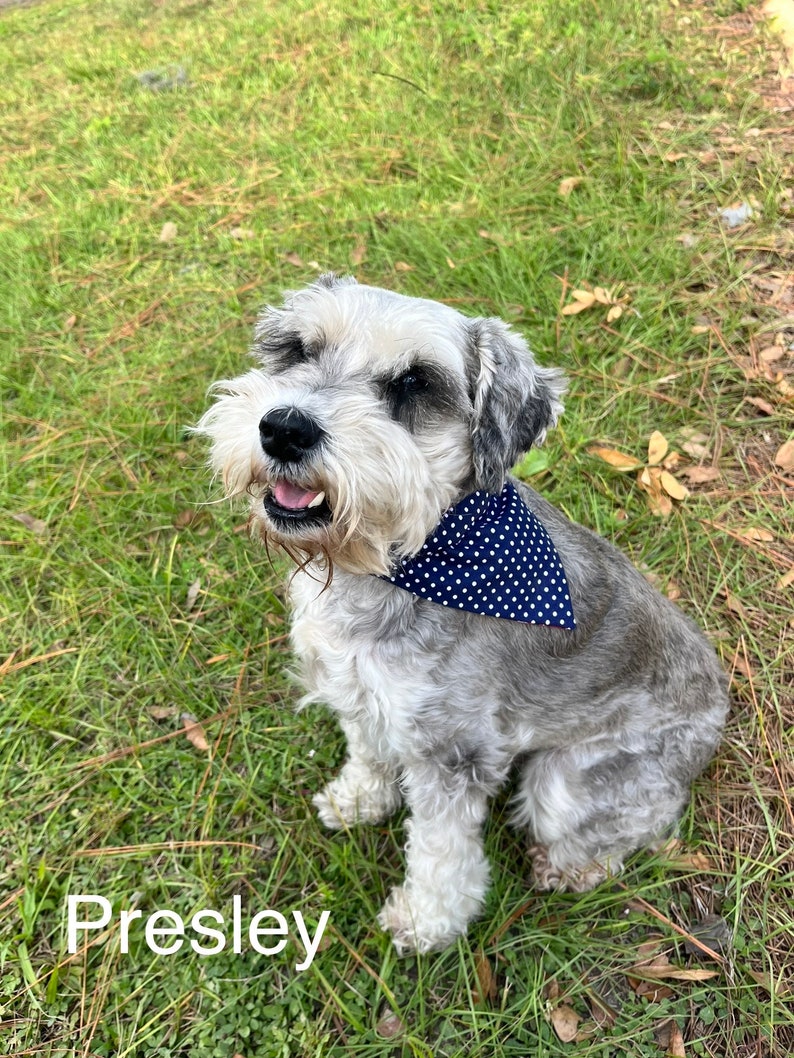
(287, 435)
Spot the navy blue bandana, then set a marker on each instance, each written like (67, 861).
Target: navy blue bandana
(490, 555)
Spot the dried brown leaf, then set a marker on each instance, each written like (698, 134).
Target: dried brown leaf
(761, 404)
(668, 1037)
(34, 525)
(168, 232)
(771, 353)
(614, 313)
(485, 990)
(192, 595)
(389, 1025)
(672, 486)
(194, 732)
(566, 186)
(658, 447)
(582, 299)
(695, 443)
(700, 475)
(756, 533)
(619, 460)
(565, 1022)
(784, 457)
(161, 712)
(674, 973)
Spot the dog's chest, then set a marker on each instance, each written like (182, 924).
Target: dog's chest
(357, 645)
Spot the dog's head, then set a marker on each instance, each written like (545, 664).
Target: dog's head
(370, 414)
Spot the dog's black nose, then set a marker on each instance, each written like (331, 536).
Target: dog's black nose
(287, 434)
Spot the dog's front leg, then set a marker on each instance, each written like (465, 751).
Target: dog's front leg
(366, 790)
(446, 870)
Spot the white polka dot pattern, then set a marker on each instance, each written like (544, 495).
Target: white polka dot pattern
(490, 555)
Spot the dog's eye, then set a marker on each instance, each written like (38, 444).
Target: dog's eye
(409, 383)
(414, 394)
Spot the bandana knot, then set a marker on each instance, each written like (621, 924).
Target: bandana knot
(491, 555)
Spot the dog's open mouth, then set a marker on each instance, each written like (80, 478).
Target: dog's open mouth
(289, 504)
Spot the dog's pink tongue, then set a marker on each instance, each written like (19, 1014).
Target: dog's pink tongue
(292, 496)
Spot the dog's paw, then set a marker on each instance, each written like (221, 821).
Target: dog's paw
(414, 928)
(545, 875)
(344, 802)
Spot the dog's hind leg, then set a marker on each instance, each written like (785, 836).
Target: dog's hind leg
(366, 790)
(588, 806)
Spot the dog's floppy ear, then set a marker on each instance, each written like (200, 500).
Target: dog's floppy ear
(515, 401)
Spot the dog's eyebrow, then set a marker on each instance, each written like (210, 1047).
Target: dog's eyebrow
(285, 349)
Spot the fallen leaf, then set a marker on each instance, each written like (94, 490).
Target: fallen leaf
(565, 1022)
(618, 460)
(713, 931)
(185, 518)
(242, 233)
(35, 525)
(603, 296)
(294, 259)
(670, 1040)
(695, 444)
(403, 266)
(761, 404)
(168, 232)
(784, 457)
(754, 533)
(586, 1031)
(614, 313)
(659, 502)
(582, 299)
(192, 595)
(69, 322)
(161, 712)
(658, 446)
(771, 353)
(566, 186)
(700, 475)
(734, 605)
(787, 579)
(194, 732)
(672, 486)
(697, 861)
(358, 254)
(389, 1025)
(672, 461)
(485, 991)
(764, 979)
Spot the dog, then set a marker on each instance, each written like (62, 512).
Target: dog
(458, 624)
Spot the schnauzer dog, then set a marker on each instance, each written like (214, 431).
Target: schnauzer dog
(457, 623)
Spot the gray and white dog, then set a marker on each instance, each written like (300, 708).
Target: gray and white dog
(371, 415)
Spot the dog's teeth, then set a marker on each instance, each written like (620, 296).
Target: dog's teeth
(318, 499)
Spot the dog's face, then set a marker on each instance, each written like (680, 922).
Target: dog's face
(370, 414)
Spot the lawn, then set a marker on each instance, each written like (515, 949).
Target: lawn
(168, 168)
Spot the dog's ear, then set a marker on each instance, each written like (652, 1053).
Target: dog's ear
(514, 400)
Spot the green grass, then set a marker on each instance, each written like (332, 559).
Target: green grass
(421, 148)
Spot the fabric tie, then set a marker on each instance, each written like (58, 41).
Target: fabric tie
(490, 555)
